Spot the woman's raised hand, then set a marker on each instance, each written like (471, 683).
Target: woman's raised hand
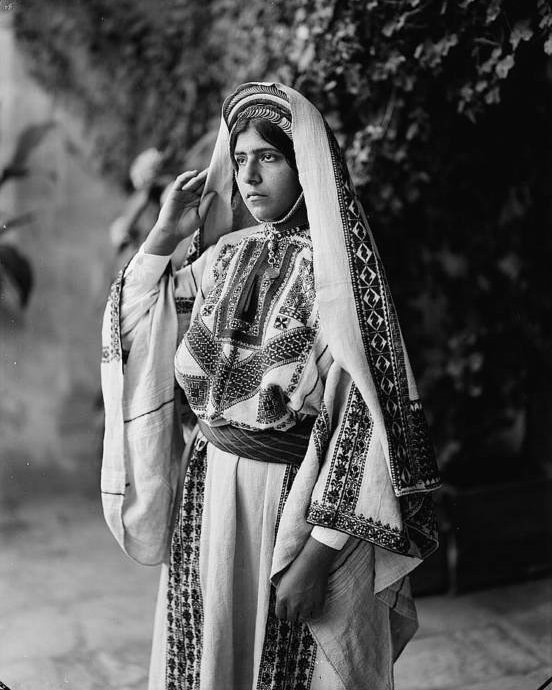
(183, 211)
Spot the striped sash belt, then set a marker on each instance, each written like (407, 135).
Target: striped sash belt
(288, 447)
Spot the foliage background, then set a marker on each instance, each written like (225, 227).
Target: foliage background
(443, 109)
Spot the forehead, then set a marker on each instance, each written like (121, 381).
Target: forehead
(251, 140)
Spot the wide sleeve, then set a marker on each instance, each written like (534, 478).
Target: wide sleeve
(353, 492)
(143, 441)
(344, 485)
(141, 284)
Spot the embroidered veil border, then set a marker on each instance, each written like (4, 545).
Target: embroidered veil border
(357, 313)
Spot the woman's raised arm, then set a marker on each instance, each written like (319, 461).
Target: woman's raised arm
(181, 214)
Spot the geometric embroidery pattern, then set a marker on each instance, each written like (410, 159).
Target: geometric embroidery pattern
(289, 649)
(419, 536)
(229, 339)
(420, 446)
(349, 456)
(301, 298)
(272, 406)
(184, 304)
(219, 275)
(194, 248)
(241, 317)
(336, 510)
(281, 322)
(249, 296)
(361, 527)
(380, 330)
(114, 350)
(231, 382)
(184, 600)
(197, 391)
(421, 522)
(321, 432)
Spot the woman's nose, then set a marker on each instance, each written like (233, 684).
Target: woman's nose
(251, 172)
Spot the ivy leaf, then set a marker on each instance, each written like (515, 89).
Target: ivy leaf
(521, 32)
(493, 10)
(504, 66)
(491, 63)
(394, 26)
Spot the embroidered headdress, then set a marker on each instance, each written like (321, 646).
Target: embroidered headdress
(258, 100)
(357, 313)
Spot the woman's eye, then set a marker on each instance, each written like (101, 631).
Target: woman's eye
(268, 156)
(240, 160)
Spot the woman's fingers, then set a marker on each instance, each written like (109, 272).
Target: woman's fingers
(191, 180)
(203, 174)
(299, 609)
(184, 178)
(196, 184)
(294, 613)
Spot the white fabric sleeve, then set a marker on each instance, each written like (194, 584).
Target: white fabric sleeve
(330, 537)
(141, 283)
(143, 273)
(140, 290)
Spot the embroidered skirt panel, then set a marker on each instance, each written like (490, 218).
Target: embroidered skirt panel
(215, 624)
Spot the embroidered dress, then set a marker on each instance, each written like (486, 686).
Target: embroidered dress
(317, 339)
(216, 625)
(253, 355)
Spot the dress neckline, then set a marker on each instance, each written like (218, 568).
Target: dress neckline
(284, 232)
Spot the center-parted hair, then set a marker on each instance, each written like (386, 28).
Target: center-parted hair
(267, 130)
(266, 108)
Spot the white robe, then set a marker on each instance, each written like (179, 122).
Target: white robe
(240, 547)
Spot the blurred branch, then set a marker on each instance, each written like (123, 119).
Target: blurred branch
(15, 222)
(28, 140)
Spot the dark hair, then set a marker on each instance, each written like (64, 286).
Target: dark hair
(271, 133)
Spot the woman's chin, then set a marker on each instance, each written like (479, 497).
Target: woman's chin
(260, 212)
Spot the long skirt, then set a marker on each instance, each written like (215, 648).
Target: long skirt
(216, 627)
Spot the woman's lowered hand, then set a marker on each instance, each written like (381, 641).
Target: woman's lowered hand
(301, 591)
(183, 211)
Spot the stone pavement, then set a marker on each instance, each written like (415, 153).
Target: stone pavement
(76, 614)
(496, 639)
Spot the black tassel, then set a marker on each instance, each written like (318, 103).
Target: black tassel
(251, 300)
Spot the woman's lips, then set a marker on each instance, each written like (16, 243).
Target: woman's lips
(255, 197)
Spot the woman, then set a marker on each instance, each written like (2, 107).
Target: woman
(305, 497)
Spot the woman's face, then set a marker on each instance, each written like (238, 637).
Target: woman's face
(267, 184)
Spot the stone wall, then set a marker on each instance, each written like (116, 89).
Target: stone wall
(50, 431)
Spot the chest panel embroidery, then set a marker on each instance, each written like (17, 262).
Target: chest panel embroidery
(250, 295)
(228, 339)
